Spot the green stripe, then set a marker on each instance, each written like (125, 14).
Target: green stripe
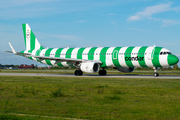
(38, 52)
(69, 52)
(91, 53)
(142, 62)
(47, 54)
(30, 58)
(128, 55)
(79, 54)
(41, 47)
(57, 54)
(30, 51)
(115, 55)
(156, 54)
(32, 41)
(24, 32)
(103, 56)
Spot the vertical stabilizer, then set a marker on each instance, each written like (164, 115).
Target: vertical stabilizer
(31, 42)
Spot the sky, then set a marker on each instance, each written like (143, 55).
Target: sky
(89, 23)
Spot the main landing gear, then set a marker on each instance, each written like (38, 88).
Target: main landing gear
(102, 72)
(78, 73)
(156, 74)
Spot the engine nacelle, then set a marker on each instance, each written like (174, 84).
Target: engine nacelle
(90, 67)
(125, 69)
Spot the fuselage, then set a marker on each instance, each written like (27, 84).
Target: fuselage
(144, 56)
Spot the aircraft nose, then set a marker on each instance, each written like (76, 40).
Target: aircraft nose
(172, 60)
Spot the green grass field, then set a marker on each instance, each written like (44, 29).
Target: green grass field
(88, 98)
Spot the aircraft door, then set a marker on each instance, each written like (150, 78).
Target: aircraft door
(115, 54)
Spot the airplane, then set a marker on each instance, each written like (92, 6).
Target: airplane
(96, 59)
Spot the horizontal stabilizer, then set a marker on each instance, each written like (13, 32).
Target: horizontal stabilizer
(16, 53)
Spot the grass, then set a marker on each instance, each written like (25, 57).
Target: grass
(89, 98)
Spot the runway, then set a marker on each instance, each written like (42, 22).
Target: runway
(92, 75)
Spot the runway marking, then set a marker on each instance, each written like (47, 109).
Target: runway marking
(44, 116)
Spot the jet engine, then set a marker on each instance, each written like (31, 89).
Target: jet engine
(125, 69)
(90, 67)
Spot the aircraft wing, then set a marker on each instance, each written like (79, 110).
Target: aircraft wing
(60, 59)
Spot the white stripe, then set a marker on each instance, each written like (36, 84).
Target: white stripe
(163, 58)
(74, 53)
(109, 61)
(52, 54)
(43, 54)
(135, 50)
(121, 57)
(63, 55)
(33, 53)
(28, 36)
(97, 52)
(37, 45)
(148, 59)
(85, 53)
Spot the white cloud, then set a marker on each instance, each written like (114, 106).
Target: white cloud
(114, 24)
(149, 11)
(169, 22)
(10, 9)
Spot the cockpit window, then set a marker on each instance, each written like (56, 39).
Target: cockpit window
(169, 53)
(165, 53)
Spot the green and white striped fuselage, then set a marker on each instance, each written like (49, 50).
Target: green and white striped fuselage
(109, 56)
(91, 59)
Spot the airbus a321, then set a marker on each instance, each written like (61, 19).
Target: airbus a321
(96, 59)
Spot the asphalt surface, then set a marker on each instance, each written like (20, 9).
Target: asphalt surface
(92, 75)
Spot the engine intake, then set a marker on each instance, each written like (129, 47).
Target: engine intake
(90, 67)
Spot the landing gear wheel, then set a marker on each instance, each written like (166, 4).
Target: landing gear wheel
(102, 72)
(156, 74)
(78, 73)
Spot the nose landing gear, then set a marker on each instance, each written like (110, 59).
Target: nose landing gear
(156, 74)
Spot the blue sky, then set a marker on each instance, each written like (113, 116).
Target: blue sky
(80, 23)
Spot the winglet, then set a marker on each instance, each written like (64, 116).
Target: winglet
(13, 50)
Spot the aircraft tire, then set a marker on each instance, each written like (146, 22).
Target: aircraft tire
(78, 73)
(156, 74)
(102, 72)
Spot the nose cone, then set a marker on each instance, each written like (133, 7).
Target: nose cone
(172, 60)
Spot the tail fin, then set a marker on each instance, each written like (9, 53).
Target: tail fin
(31, 42)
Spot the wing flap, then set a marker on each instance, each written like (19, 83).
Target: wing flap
(60, 59)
